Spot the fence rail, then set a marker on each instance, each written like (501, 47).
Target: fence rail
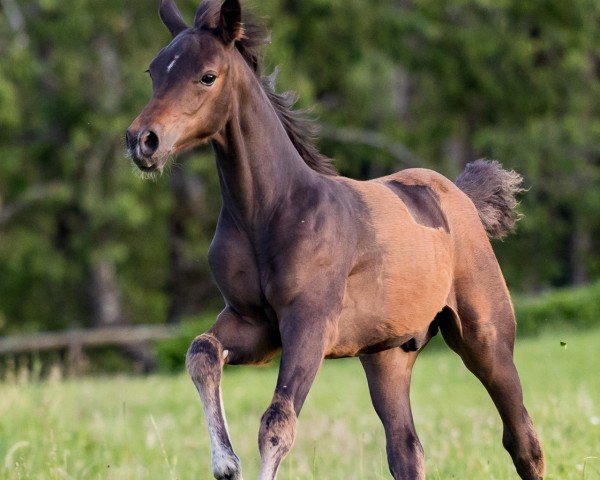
(81, 338)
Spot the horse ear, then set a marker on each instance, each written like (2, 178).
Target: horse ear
(169, 14)
(230, 21)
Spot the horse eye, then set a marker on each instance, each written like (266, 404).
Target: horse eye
(208, 79)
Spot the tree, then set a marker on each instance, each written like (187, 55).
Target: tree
(85, 241)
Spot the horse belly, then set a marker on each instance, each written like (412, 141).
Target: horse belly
(391, 309)
(417, 282)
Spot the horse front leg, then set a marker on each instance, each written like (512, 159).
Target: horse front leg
(303, 340)
(231, 340)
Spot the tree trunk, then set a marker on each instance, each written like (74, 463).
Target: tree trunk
(107, 310)
(579, 252)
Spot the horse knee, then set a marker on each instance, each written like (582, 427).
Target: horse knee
(277, 430)
(204, 358)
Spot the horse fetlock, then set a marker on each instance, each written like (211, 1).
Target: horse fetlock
(530, 464)
(527, 454)
(405, 456)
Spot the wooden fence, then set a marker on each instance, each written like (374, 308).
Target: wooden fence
(75, 341)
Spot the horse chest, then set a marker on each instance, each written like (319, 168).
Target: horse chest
(235, 270)
(287, 260)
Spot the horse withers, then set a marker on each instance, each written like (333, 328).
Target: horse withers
(319, 266)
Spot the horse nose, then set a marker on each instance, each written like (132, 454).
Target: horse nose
(148, 141)
(130, 140)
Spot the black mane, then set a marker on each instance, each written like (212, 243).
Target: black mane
(298, 124)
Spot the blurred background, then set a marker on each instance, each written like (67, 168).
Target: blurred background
(85, 242)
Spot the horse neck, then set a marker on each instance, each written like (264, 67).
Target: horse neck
(258, 164)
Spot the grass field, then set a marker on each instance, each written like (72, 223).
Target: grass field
(152, 428)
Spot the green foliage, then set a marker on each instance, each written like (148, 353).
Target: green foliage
(452, 80)
(569, 308)
(71, 80)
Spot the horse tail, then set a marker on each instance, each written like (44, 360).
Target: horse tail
(493, 190)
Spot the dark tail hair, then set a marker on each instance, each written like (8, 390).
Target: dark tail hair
(492, 189)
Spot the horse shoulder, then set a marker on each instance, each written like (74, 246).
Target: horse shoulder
(310, 246)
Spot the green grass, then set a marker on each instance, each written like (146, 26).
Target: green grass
(152, 428)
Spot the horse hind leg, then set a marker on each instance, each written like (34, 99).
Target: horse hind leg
(483, 334)
(388, 375)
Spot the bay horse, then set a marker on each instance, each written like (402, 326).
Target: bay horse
(319, 266)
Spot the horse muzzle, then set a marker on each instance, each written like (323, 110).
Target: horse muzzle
(143, 146)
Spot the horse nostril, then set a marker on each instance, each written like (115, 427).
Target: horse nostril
(148, 142)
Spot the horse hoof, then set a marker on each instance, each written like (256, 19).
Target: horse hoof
(228, 468)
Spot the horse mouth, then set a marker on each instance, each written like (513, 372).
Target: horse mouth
(148, 164)
(143, 164)
(151, 168)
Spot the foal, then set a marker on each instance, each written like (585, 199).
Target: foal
(320, 266)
